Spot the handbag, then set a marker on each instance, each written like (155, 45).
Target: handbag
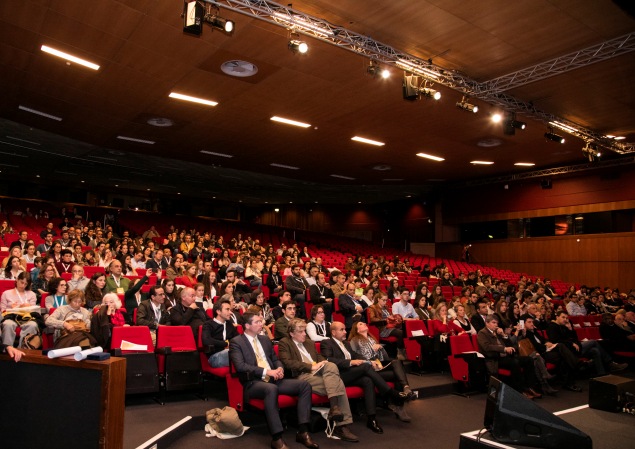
(224, 420)
(525, 347)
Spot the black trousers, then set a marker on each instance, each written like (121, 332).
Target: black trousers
(269, 391)
(365, 377)
(565, 360)
(523, 375)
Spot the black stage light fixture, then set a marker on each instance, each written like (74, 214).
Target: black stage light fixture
(193, 17)
(225, 25)
(550, 135)
(510, 124)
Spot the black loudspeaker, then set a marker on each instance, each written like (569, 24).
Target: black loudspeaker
(609, 392)
(545, 184)
(512, 418)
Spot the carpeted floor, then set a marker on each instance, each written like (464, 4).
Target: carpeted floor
(437, 422)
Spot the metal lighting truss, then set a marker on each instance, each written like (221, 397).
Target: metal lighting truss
(490, 91)
(553, 171)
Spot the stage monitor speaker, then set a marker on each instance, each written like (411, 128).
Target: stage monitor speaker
(512, 418)
(609, 392)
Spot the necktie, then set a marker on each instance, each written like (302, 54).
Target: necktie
(260, 359)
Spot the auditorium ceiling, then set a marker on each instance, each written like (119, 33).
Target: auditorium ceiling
(228, 150)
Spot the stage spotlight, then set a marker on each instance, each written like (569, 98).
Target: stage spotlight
(222, 24)
(497, 118)
(518, 125)
(298, 46)
(550, 135)
(430, 93)
(510, 124)
(591, 151)
(375, 70)
(463, 104)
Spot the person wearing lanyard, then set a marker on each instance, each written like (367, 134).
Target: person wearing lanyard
(57, 294)
(318, 328)
(217, 333)
(321, 293)
(116, 282)
(152, 312)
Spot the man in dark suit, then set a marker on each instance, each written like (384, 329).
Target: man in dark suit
(152, 312)
(217, 333)
(187, 312)
(356, 371)
(499, 353)
(297, 285)
(478, 319)
(561, 331)
(158, 262)
(299, 357)
(282, 323)
(321, 293)
(351, 306)
(262, 376)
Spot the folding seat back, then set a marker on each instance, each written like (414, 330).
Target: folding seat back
(142, 374)
(179, 361)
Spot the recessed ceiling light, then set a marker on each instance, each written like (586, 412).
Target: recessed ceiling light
(392, 179)
(609, 136)
(579, 217)
(359, 202)
(148, 190)
(116, 185)
(37, 176)
(408, 196)
(525, 164)
(431, 157)
(287, 121)
(132, 139)
(43, 114)
(619, 138)
(368, 141)
(75, 59)
(217, 154)
(481, 162)
(83, 181)
(343, 177)
(290, 167)
(178, 193)
(192, 99)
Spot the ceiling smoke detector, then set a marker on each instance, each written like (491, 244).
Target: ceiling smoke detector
(161, 122)
(489, 143)
(241, 69)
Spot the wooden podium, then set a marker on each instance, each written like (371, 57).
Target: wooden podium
(62, 403)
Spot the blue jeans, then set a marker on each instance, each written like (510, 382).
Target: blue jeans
(219, 359)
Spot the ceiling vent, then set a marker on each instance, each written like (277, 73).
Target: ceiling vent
(241, 69)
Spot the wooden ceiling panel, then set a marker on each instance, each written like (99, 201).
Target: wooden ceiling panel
(113, 18)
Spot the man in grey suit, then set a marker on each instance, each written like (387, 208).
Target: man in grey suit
(298, 354)
(262, 376)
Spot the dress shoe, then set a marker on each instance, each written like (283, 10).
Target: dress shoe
(573, 387)
(305, 438)
(548, 389)
(528, 395)
(279, 444)
(335, 414)
(614, 366)
(373, 425)
(400, 412)
(343, 433)
(396, 398)
(535, 393)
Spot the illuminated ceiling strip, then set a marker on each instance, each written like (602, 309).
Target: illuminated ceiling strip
(343, 177)
(68, 57)
(132, 139)
(368, 141)
(431, 157)
(290, 167)
(525, 164)
(192, 99)
(43, 114)
(287, 121)
(217, 154)
(481, 162)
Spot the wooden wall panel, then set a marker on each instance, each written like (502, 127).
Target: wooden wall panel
(606, 260)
